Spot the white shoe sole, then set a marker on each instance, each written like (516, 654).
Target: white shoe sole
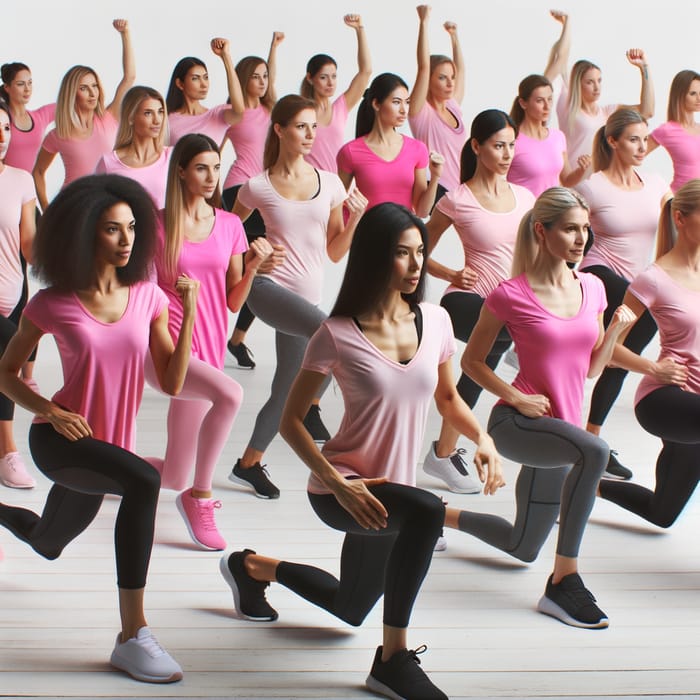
(242, 482)
(228, 577)
(549, 607)
(183, 513)
(378, 687)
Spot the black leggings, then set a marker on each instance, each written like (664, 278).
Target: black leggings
(83, 471)
(464, 309)
(392, 561)
(673, 415)
(254, 228)
(609, 384)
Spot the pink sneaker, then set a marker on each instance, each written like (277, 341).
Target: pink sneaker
(198, 514)
(13, 472)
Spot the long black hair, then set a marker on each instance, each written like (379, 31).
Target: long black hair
(484, 126)
(380, 88)
(174, 99)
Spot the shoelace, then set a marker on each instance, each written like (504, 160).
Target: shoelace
(458, 461)
(151, 646)
(413, 653)
(206, 513)
(11, 460)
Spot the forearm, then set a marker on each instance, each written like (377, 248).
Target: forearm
(235, 92)
(456, 412)
(176, 367)
(425, 201)
(339, 245)
(128, 58)
(485, 377)
(601, 356)
(239, 293)
(647, 100)
(364, 59)
(439, 270)
(40, 187)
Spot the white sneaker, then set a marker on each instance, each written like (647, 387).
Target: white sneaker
(13, 472)
(452, 470)
(441, 543)
(144, 659)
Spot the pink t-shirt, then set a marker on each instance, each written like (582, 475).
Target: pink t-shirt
(248, 139)
(300, 226)
(554, 352)
(676, 310)
(384, 180)
(684, 149)
(488, 238)
(386, 402)
(438, 136)
(102, 362)
(80, 156)
(16, 189)
(206, 261)
(330, 138)
(624, 222)
(153, 177)
(538, 163)
(212, 123)
(24, 145)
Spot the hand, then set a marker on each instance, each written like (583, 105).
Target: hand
(355, 496)
(533, 405)
(71, 425)
(277, 38)
(465, 278)
(559, 16)
(354, 21)
(279, 255)
(450, 28)
(423, 12)
(584, 162)
(622, 318)
(355, 203)
(260, 250)
(435, 164)
(488, 465)
(637, 57)
(121, 25)
(220, 46)
(188, 289)
(669, 371)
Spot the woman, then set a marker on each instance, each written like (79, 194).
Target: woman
(382, 345)
(198, 239)
(17, 217)
(85, 128)
(140, 151)
(555, 317)
(485, 211)
(320, 83)
(540, 159)
(680, 135)
(94, 248)
(624, 209)
(302, 211)
(434, 109)
(387, 166)
(668, 397)
(28, 125)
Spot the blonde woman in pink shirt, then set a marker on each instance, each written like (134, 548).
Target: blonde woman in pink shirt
(85, 127)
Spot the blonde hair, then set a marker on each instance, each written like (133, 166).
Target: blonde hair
(676, 95)
(617, 122)
(578, 70)
(130, 106)
(686, 200)
(67, 119)
(549, 207)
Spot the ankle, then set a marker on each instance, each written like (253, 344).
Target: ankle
(196, 493)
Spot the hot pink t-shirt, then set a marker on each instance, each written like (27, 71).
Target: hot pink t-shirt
(153, 177)
(330, 138)
(102, 362)
(438, 136)
(386, 402)
(538, 163)
(554, 352)
(384, 180)
(24, 145)
(684, 149)
(16, 189)
(488, 238)
(80, 156)
(300, 226)
(211, 123)
(624, 222)
(248, 139)
(676, 310)
(206, 261)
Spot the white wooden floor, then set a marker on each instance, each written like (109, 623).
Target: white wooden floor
(476, 611)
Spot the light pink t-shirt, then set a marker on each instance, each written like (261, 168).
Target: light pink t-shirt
(248, 139)
(330, 138)
(554, 352)
(211, 123)
(684, 149)
(676, 310)
(206, 261)
(438, 136)
(300, 226)
(102, 362)
(153, 177)
(25, 145)
(386, 402)
(624, 222)
(488, 238)
(538, 163)
(80, 156)
(16, 189)
(384, 180)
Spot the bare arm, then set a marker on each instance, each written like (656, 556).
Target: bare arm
(339, 235)
(419, 94)
(647, 104)
(558, 61)
(128, 67)
(238, 282)
(457, 59)
(570, 176)
(364, 62)
(424, 192)
(221, 48)
(43, 161)
(346, 179)
(602, 353)
(27, 229)
(464, 278)
(277, 39)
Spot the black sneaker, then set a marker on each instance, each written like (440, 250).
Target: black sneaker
(615, 470)
(572, 603)
(314, 424)
(402, 678)
(248, 593)
(243, 355)
(255, 476)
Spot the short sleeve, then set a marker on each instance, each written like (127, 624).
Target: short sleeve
(645, 287)
(344, 159)
(421, 154)
(218, 113)
(338, 193)
(321, 352)
(50, 143)
(597, 290)
(660, 134)
(27, 186)
(239, 242)
(499, 303)
(246, 196)
(38, 310)
(447, 205)
(449, 346)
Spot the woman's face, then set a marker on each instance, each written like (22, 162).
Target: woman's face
(115, 235)
(149, 118)
(201, 175)
(324, 81)
(566, 238)
(408, 261)
(538, 105)
(591, 81)
(393, 111)
(195, 84)
(691, 102)
(631, 147)
(87, 94)
(298, 136)
(258, 82)
(496, 153)
(688, 225)
(5, 133)
(20, 87)
(442, 82)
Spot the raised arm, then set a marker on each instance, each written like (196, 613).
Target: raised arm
(364, 62)
(277, 39)
(558, 61)
(128, 67)
(220, 47)
(419, 94)
(647, 101)
(457, 59)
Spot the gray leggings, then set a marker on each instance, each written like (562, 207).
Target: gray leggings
(549, 489)
(295, 320)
